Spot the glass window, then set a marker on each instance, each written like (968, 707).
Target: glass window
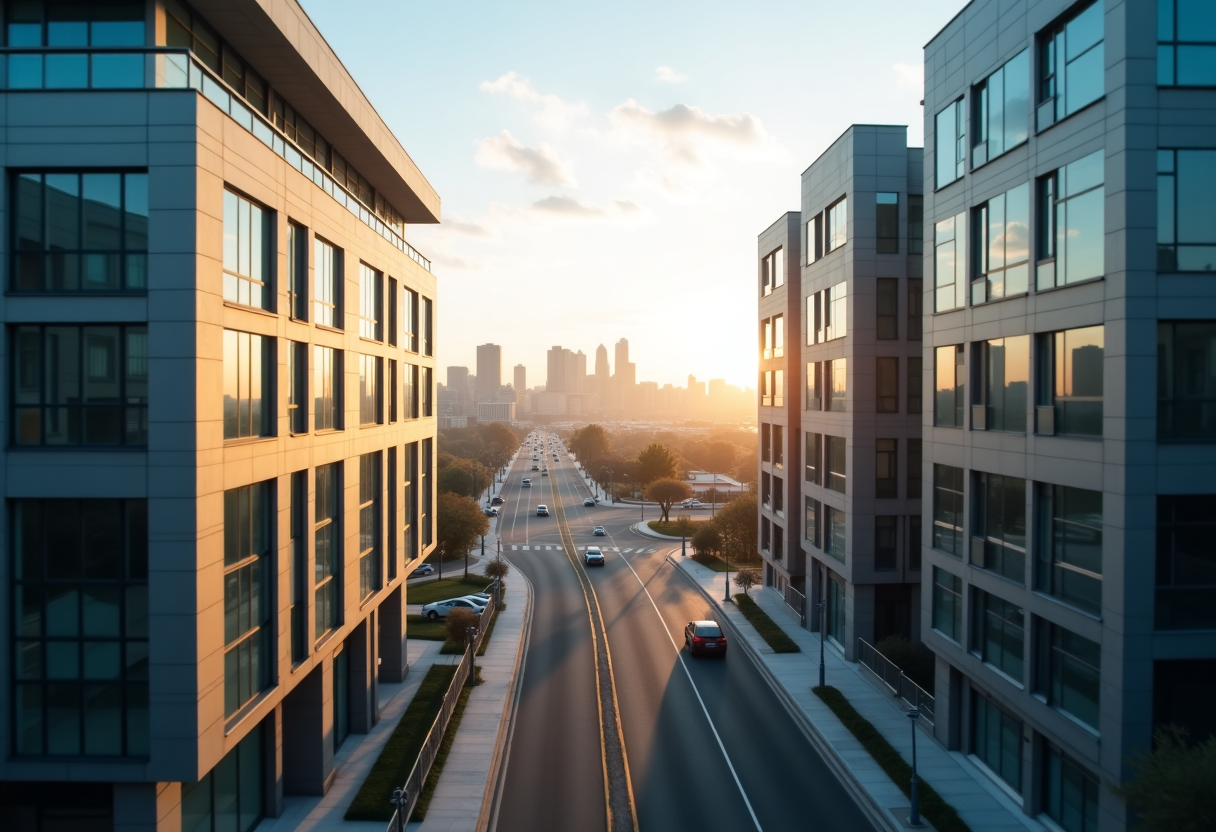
(814, 386)
(814, 318)
(1002, 389)
(916, 378)
(811, 521)
(409, 320)
(1071, 68)
(835, 612)
(766, 388)
(326, 388)
(327, 534)
(778, 496)
(229, 797)
(79, 601)
(371, 411)
(778, 389)
(427, 491)
(248, 539)
(950, 138)
(837, 384)
(886, 376)
(949, 377)
(778, 336)
(1070, 794)
(394, 324)
(914, 541)
(916, 307)
(390, 480)
(247, 246)
(428, 327)
(888, 308)
(837, 468)
(814, 242)
(886, 555)
(1072, 232)
(369, 523)
(766, 443)
(297, 271)
(834, 532)
(248, 392)
(1002, 109)
(950, 263)
(772, 271)
(1002, 246)
(998, 516)
(779, 446)
(999, 634)
(298, 571)
(371, 303)
(1186, 38)
(814, 457)
(1186, 562)
(1186, 206)
(916, 223)
(409, 492)
(948, 604)
(886, 454)
(1186, 380)
(327, 284)
(837, 231)
(79, 232)
(914, 469)
(835, 312)
(996, 739)
(948, 509)
(391, 375)
(886, 223)
(766, 338)
(1070, 369)
(409, 391)
(297, 391)
(1070, 545)
(80, 385)
(1068, 671)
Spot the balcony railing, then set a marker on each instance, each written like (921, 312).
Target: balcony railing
(901, 687)
(175, 68)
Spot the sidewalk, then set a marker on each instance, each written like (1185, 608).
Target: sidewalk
(980, 802)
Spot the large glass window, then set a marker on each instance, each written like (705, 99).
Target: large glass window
(999, 634)
(814, 242)
(370, 548)
(248, 540)
(1070, 794)
(1003, 365)
(1072, 230)
(409, 320)
(113, 23)
(298, 567)
(814, 385)
(79, 232)
(778, 336)
(948, 509)
(834, 532)
(1071, 67)
(327, 535)
(326, 388)
(297, 271)
(996, 739)
(1069, 385)
(886, 473)
(779, 446)
(836, 612)
(948, 604)
(1002, 246)
(837, 465)
(80, 385)
(327, 284)
(886, 378)
(229, 797)
(1186, 209)
(79, 602)
(835, 312)
(812, 509)
(1186, 380)
(370, 374)
(886, 223)
(1068, 671)
(916, 378)
(950, 383)
(772, 271)
(427, 491)
(950, 263)
(247, 249)
(778, 390)
(914, 541)
(950, 138)
(914, 468)
(1070, 545)
(1002, 109)
(248, 392)
(1186, 43)
(1186, 562)
(998, 518)
(409, 391)
(886, 555)
(297, 390)
(371, 303)
(814, 457)
(887, 309)
(916, 307)
(409, 491)
(837, 231)
(837, 384)
(428, 327)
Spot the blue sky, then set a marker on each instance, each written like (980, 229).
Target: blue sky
(605, 168)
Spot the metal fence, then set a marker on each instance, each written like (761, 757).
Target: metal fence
(901, 687)
(796, 601)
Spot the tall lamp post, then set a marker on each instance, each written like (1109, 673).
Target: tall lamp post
(914, 814)
(713, 504)
(726, 592)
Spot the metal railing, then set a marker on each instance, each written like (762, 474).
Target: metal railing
(898, 682)
(166, 67)
(796, 601)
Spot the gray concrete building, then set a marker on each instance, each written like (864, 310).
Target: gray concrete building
(219, 359)
(1070, 179)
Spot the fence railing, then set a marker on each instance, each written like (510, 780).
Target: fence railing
(411, 790)
(796, 601)
(898, 682)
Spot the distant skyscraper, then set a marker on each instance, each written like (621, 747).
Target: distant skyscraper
(521, 380)
(580, 373)
(489, 372)
(622, 355)
(555, 380)
(458, 381)
(602, 374)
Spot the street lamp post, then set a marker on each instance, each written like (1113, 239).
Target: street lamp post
(726, 592)
(822, 604)
(713, 503)
(400, 799)
(914, 814)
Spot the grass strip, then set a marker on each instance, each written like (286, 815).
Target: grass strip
(399, 754)
(432, 591)
(670, 529)
(765, 626)
(419, 626)
(449, 736)
(937, 811)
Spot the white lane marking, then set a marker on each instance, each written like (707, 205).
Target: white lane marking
(514, 548)
(527, 548)
(704, 710)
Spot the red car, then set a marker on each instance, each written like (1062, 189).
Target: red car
(705, 638)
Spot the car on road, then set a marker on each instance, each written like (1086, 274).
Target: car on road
(535, 467)
(589, 501)
(497, 501)
(692, 504)
(440, 609)
(704, 638)
(593, 556)
(527, 483)
(491, 512)
(425, 569)
(545, 473)
(542, 510)
(598, 531)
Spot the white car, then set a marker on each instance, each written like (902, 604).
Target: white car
(692, 504)
(440, 609)
(589, 501)
(527, 483)
(593, 556)
(542, 510)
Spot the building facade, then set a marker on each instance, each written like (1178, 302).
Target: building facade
(489, 372)
(219, 447)
(1070, 182)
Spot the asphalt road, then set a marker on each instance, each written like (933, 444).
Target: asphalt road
(709, 745)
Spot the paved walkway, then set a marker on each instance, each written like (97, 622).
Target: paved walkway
(983, 805)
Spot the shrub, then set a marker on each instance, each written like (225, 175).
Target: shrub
(747, 578)
(765, 626)
(458, 623)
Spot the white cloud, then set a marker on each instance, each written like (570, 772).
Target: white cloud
(456, 225)
(539, 164)
(566, 206)
(555, 114)
(909, 76)
(668, 75)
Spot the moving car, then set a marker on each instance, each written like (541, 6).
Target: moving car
(589, 501)
(497, 501)
(535, 467)
(425, 569)
(527, 483)
(692, 504)
(704, 638)
(542, 510)
(545, 473)
(440, 609)
(491, 512)
(598, 531)
(593, 556)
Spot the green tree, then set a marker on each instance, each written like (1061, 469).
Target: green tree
(707, 541)
(457, 623)
(747, 578)
(738, 523)
(463, 476)
(654, 462)
(589, 442)
(1171, 790)
(460, 523)
(666, 492)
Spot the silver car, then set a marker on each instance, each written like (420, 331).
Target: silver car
(440, 609)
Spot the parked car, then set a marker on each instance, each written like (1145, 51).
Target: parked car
(593, 556)
(440, 609)
(542, 510)
(497, 501)
(527, 483)
(598, 531)
(491, 512)
(704, 638)
(589, 501)
(425, 569)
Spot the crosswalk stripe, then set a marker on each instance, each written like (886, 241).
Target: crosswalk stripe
(527, 548)
(514, 548)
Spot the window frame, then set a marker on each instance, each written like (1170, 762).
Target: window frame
(888, 242)
(836, 226)
(248, 573)
(886, 460)
(1169, 47)
(328, 283)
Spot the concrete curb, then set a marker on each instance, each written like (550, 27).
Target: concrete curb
(646, 531)
(878, 814)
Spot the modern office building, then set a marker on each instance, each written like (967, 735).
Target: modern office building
(1070, 363)
(489, 372)
(218, 353)
(458, 383)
